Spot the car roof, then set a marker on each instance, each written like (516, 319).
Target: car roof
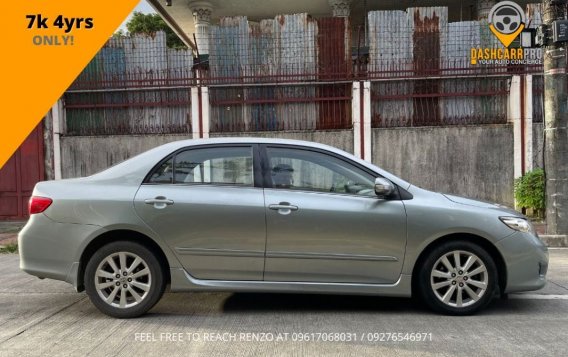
(175, 145)
(248, 140)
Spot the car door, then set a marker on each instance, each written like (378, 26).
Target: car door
(324, 222)
(204, 203)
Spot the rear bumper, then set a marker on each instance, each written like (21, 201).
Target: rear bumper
(526, 259)
(52, 250)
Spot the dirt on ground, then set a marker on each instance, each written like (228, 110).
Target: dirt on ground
(9, 231)
(8, 238)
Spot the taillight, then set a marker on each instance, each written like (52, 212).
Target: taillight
(38, 204)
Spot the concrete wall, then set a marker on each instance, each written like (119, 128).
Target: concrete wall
(342, 139)
(86, 155)
(472, 161)
(538, 145)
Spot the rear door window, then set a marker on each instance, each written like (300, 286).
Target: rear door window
(215, 165)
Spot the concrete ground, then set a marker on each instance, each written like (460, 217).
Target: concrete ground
(9, 231)
(47, 318)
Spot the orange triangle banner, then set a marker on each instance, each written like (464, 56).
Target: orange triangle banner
(46, 44)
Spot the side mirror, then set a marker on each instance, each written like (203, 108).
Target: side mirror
(383, 187)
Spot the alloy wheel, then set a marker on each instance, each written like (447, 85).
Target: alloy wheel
(459, 278)
(123, 280)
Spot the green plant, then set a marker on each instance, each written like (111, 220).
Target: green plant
(529, 191)
(9, 248)
(149, 24)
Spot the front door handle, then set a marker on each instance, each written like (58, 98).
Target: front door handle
(283, 208)
(159, 202)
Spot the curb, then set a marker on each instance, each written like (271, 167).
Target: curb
(554, 241)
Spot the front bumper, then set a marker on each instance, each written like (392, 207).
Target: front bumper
(52, 250)
(526, 260)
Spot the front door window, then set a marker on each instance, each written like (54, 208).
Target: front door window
(305, 170)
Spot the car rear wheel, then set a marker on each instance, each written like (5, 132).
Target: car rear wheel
(124, 279)
(458, 278)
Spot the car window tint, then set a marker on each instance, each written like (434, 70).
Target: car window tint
(312, 171)
(164, 173)
(222, 165)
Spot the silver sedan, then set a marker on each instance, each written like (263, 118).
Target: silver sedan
(267, 215)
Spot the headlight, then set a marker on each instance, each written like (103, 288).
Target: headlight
(518, 224)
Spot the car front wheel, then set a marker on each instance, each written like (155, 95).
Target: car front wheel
(458, 278)
(124, 279)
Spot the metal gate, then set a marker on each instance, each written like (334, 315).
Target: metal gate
(19, 176)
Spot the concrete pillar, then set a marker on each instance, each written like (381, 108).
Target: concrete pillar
(483, 7)
(356, 118)
(555, 126)
(520, 114)
(205, 117)
(340, 8)
(361, 117)
(48, 146)
(528, 127)
(195, 123)
(367, 121)
(202, 11)
(58, 115)
(200, 112)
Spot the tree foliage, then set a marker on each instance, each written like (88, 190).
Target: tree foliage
(149, 24)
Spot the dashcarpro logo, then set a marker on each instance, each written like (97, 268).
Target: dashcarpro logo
(507, 22)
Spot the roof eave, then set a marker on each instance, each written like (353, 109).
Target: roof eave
(172, 23)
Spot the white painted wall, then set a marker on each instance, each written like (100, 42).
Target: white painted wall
(367, 153)
(195, 112)
(515, 117)
(356, 118)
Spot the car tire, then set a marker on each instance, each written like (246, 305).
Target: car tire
(124, 279)
(458, 278)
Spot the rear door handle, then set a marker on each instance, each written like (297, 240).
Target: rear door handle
(159, 202)
(283, 208)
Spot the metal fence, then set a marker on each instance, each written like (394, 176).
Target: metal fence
(420, 42)
(134, 85)
(287, 49)
(416, 43)
(287, 73)
(122, 112)
(433, 102)
(538, 99)
(294, 72)
(272, 107)
(135, 62)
